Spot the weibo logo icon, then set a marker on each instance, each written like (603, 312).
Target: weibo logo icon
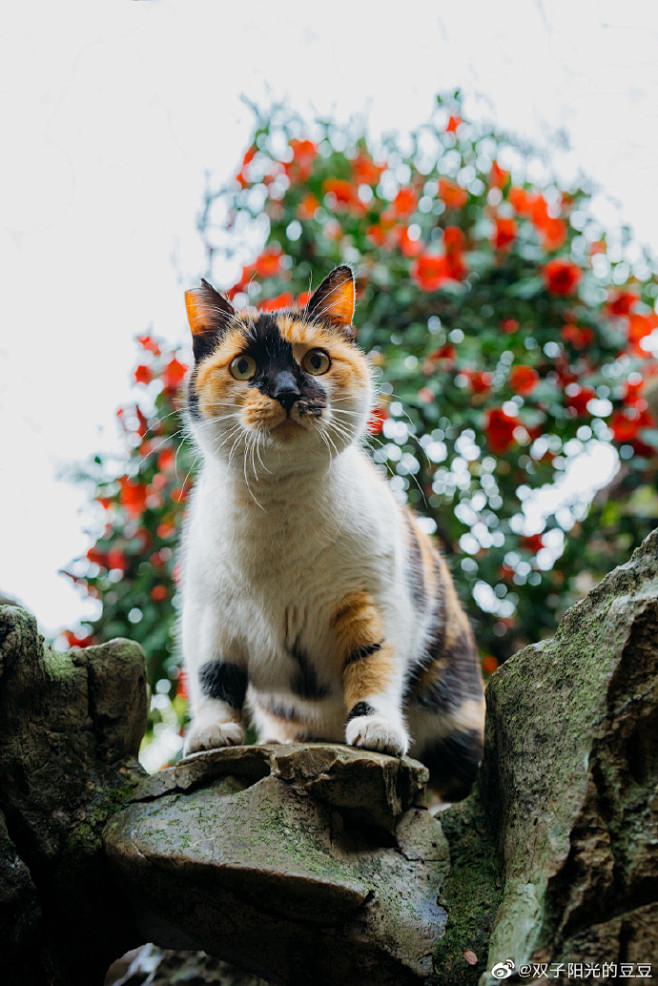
(502, 970)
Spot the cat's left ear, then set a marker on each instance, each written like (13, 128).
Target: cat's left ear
(334, 299)
(209, 315)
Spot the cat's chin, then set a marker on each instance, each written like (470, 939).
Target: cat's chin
(288, 429)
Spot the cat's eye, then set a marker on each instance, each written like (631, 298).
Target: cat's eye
(316, 362)
(243, 367)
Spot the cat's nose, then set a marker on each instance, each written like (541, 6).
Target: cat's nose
(285, 389)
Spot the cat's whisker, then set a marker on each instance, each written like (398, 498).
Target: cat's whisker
(244, 470)
(263, 466)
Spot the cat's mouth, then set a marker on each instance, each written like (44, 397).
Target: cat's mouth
(287, 427)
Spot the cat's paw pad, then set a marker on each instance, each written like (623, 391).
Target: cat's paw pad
(377, 733)
(210, 737)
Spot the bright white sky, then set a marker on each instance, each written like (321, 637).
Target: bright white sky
(110, 113)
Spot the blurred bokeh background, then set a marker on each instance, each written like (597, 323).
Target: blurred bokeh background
(502, 236)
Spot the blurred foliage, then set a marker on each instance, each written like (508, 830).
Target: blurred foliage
(511, 336)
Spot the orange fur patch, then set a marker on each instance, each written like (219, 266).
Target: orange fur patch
(195, 313)
(357, 624)
(368, 676)
(339, 306)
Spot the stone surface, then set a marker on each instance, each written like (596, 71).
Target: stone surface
(570, 780)
(70, 726)
(307, 864)
(319, 863)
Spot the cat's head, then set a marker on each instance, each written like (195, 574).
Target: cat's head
(277, 390)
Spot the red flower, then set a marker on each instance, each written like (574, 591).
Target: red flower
(241, 176)
(378, 416)
(453, 123)
(509, 325)
(452, 194)
(505, 232)
(250, 154)
(116, 559)
(365, 171)
(174, 374)
(267, 265)
(625, 425)
(533, 542)
(523, 379)
(304, 154)
(498, 177)
(132, 496)
(599, 246)
(405, 201)
(454, 239)
(447, 352)
(284, 300)
(520, 200)
(489, 664)
(579, 336)
(166, 459)
(75, 640)
(182, 685)
(562, 277)
(426, 395)
(304, 298)
(554, 233)
(499, 427)
(149, 344)
(97, 557)
(409, 247)
(429, 272)
(159, 592)
(166, 530)
(640, 326)
(342, 191)
(538, 210)
(579, 399)
(143, 374)
(632, 389)
(621, 302)
(308, 206)
(479, 380)
(377, 234)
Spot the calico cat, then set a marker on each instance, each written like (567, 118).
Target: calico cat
(310, 595)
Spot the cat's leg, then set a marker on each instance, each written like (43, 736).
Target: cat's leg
(217, 684)
(445, 704)
(372, 678)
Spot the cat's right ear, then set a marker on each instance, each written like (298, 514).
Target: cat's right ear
(209, 315)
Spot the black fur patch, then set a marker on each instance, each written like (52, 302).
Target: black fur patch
(436, 642)
(458, 680)
(361, 709)
(276, 708)
(204, 344)
(358, 655)
(226, 682)
(193, 397)
(305, 682)
(415, 576)
(453, 762)
(273, 355)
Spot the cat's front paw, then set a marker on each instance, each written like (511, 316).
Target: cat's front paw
(210, 737)
(377, 733)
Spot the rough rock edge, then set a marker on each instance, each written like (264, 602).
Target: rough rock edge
(333, 773)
